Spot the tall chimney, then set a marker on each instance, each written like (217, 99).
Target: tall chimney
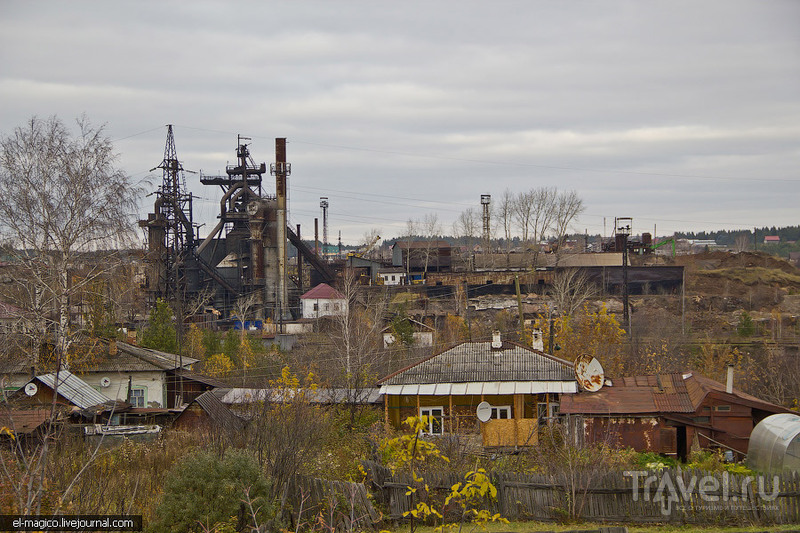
(281, 169)
(729, 382)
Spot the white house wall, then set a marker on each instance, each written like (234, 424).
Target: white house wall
(153, 382)
(322, 310)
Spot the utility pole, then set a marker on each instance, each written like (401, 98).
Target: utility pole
(519, 309)
(623, 231)
(486, 201)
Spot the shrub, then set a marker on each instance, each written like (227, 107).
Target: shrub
(205, 492)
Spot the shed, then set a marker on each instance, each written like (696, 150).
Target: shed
(668, 414)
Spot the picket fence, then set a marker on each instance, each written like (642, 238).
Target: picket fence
(667, 496)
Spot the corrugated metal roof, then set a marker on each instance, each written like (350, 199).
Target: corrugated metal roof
(477, 362)
(663, 393)
(322, 395)
(73, 389)
(128, 358)
(219, 412)
(504, 387)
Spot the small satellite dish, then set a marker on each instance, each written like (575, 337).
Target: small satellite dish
(31, 389)
(105, 382)
(589, 373)
(484, 411)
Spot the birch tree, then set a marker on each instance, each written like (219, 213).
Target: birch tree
(466, 226)
(505, 212)
(568, 205)
(67, 211)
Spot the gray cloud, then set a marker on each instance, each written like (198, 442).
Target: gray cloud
(682, 115)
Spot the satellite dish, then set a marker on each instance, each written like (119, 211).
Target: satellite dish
(484, 411)
(105, 382)
(589, 373)
(31, 389)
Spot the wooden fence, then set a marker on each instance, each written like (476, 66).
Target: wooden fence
(342, 505)
(670, 495)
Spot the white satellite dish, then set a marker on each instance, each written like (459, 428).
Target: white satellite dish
(589, 373)
(105, 382)
(31, 389)
(484, 411)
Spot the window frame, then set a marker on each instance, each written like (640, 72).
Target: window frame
(427, 411)
(497, 409)
(143, 396)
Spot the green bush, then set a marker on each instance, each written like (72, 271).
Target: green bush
(205, 492)
(654, 461)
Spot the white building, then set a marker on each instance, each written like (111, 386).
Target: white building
(323, 300)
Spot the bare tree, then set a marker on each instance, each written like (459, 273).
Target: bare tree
(466, 226)
(571, 288)
(66, 210)
(533, 211)
(568, 205)
(431, 230)
(357, 339)
(544, 207)
(505, 212)
(242, 308)
(66, 213)
(743, 242)
(522, 211)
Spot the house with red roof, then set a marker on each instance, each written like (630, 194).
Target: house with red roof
(323, 300)
(669, 414)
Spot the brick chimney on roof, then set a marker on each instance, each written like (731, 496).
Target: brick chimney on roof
(497, 342)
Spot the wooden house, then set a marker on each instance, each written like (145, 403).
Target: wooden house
(670, 414)
(524, 387)
(124, 372)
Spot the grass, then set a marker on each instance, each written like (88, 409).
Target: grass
(534, 527)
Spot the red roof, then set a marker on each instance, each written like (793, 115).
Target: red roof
(681, 392)
(24, 421)
(323, 291)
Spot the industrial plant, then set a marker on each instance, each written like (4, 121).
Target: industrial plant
(244, 256)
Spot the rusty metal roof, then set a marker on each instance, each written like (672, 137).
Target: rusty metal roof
(24, 421)
(680, 392)
(219, 413)
(128, 358)
(471, 362)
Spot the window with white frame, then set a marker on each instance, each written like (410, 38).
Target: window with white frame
(137, 397)
(435, 416)
(501, 412)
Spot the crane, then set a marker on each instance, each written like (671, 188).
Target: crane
(366, 248)
(662, 243)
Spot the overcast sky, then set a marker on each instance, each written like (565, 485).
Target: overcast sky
(682, 115)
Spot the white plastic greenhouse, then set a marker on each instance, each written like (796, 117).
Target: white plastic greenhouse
(775, 444)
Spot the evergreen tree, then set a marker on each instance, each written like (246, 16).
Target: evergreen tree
(160, 332)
